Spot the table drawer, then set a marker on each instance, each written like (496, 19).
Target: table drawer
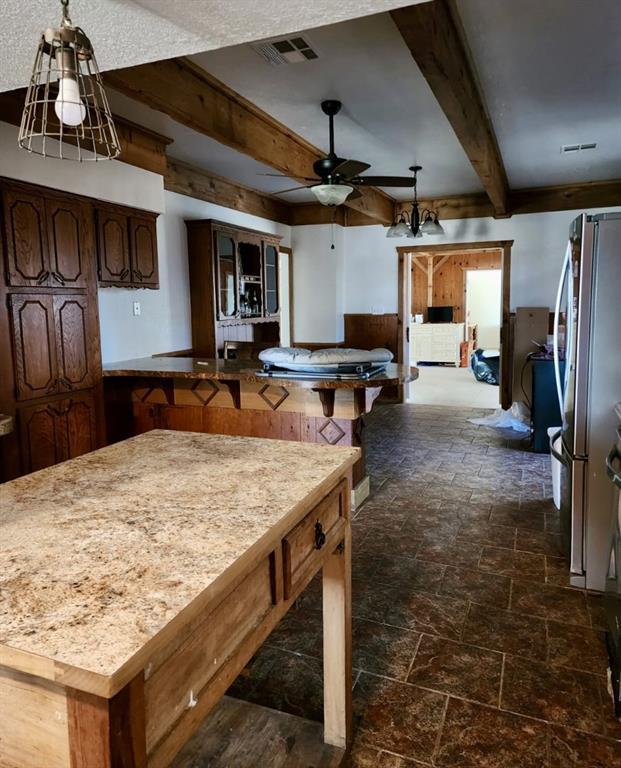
(316, 531)
(172, 689)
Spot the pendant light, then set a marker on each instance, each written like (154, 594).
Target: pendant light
(66, 113)
(431, 225)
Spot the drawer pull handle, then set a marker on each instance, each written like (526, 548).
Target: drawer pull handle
(320, 536)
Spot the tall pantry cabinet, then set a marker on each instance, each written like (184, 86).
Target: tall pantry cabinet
(50, 360)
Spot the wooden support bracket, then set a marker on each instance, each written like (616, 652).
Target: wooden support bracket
(327, 400)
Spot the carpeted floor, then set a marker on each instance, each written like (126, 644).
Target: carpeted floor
(470, 650)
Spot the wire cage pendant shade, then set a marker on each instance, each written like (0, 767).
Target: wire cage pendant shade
(66, 113)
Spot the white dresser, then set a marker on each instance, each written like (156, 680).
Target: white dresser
(436, 342)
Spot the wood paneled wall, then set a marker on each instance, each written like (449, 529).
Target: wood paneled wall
(370, 331)
(449, 279)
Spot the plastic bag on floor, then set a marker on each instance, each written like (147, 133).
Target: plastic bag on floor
(517, 418)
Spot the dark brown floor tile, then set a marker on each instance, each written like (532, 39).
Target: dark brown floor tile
(397, 717)
(405, 575)
(389, 544)
(612, 723)
(424, 612)
(595, 605)
(577, 647)
(361, 756)
(383, 650)
(518, 518)
(517, 565)
(557, 571)
(283, 681)
(486, 533)
(560, 696)
(550, 602)
(553, 522)
(486, 588)
(450, 552)
(474, 736)
(570, 749)
(300, 631)
(458, 669)
(540, 543)
(312, 597)
(504, 631)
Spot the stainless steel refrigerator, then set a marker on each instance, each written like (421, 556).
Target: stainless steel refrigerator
(589, 301)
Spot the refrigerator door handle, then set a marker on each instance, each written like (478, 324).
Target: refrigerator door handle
(610, 470)
(557, 317)
(558, 456)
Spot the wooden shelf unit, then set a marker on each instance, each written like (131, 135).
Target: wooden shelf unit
(233, 285)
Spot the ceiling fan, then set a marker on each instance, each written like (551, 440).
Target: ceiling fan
(337, 178)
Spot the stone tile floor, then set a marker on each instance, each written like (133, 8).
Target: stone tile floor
(469, 648)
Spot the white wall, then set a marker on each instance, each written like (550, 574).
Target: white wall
(164, 324)
(483, 297)
(108, 180)
(318, 282)
(537, 254)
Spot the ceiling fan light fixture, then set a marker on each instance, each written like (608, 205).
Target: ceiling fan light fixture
(66, 111)
(332, 194)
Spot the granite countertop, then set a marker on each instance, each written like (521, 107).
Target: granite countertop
(99, 553)
(6, 424)
(243, 370)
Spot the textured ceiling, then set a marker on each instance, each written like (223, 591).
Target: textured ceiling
(128, 32)
(551, 74)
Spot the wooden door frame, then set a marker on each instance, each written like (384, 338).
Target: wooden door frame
(448, 249)
(289, 253)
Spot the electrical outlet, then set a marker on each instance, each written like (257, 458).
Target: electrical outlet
(136, 308)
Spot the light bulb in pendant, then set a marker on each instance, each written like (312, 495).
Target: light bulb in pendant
(69, 107)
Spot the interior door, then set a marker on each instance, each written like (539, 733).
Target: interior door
(69, 250)
(72, 342)
(26, 237)
(32, 317)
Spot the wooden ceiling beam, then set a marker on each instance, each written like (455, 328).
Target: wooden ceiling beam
(191, 96)
(566, 197)
(186, 179)
(140, 146)
(432, 33)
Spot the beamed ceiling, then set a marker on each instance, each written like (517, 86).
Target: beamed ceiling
(481, 94)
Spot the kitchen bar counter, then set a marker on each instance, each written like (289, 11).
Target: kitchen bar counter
(111, 561)
(227, 397)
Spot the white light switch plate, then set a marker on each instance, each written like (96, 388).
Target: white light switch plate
(136, 308)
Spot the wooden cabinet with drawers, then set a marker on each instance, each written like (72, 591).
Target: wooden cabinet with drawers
(436, 342)
(50, 360)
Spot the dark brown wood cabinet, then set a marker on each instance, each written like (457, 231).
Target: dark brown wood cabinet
(57, 430)
(50, 359)
(233, 285)
(126, 248)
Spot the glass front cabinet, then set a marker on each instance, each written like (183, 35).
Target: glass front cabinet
(270, 283)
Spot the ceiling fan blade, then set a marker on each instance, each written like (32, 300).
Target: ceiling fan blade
(350, 168)
(354, 194)
(291, 189)
(384, 181)
(284, 176)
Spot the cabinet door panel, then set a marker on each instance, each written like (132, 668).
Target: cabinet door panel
(72, 342)
(27, 254)
(113, 247)
(143, 239)
(32, 317)
(67, 236)
(80, 425)
(40, 438)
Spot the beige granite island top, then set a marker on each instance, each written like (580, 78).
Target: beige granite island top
(99, 553)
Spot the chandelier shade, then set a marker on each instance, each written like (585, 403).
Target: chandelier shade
(66, 112)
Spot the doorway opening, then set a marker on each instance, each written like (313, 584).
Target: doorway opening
(453, 303)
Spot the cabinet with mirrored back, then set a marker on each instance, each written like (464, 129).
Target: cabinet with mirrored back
(233, 286)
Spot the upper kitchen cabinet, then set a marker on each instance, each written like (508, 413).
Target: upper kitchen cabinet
(127, 248)
(143, 251)
(49, 240)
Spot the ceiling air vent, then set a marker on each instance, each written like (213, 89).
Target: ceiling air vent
(569, 148)
(291, 50)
